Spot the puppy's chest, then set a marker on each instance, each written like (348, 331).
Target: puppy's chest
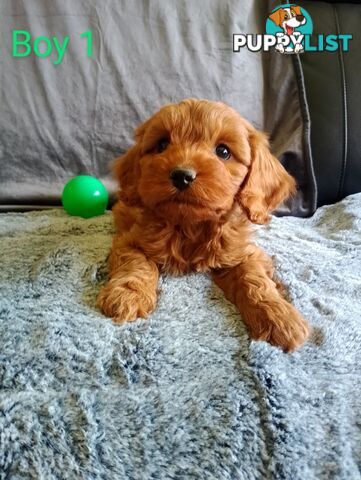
(176, 252)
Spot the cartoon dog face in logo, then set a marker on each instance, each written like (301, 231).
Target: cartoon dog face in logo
(289, 19)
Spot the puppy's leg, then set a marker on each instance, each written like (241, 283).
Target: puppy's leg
(124, 217)
(132, 289)
(266, 313)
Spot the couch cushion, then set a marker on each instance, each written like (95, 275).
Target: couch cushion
(332, 81)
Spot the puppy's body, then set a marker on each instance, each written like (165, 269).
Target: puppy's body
(191, 186)
(190, 247)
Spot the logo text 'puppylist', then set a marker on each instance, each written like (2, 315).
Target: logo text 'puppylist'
(288, 30)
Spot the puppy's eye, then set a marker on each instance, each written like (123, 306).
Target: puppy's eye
(222, 151)
(162, 144)
(287, 16)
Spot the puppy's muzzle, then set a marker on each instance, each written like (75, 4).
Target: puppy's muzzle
(182, 178)
(300, 18)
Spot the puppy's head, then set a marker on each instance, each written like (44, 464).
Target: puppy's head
(288, 18)
(193, 160)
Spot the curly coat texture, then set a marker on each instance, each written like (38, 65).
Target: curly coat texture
(205, 227)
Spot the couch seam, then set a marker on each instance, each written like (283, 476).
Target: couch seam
(306, 120)
(345, 111)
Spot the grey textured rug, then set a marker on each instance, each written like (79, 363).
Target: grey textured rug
(184, 395)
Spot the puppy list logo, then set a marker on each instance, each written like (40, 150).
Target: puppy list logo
(288, 30)
(290, 24)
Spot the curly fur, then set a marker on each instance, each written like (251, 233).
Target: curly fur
(206, 227)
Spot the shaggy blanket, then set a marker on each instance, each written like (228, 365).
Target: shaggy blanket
(185, 394)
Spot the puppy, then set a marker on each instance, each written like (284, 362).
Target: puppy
(196, 178)
(289, 19)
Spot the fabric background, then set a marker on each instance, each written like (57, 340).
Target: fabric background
(74, 118)
(185, 394)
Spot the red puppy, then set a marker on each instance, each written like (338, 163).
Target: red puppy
(196, 178)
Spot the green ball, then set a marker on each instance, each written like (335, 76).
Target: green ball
(84, 196)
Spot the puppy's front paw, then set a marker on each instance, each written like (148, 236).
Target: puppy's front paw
(290, 333)
(125, 304)
(258, 216)
(281, 325)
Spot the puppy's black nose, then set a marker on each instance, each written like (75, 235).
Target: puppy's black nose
(182, 177)
(300, 18)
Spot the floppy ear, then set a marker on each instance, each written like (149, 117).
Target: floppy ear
(126, 170)
(296, 9)
(276, 17)
(267, 183)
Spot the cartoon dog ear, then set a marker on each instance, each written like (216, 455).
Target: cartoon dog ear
(296, 9)
(126, 170)
(276, 17)
(267, 183)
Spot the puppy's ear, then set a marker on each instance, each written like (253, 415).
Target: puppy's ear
(296, 9)
(126, 171)
(267, 183)
(276, 16)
